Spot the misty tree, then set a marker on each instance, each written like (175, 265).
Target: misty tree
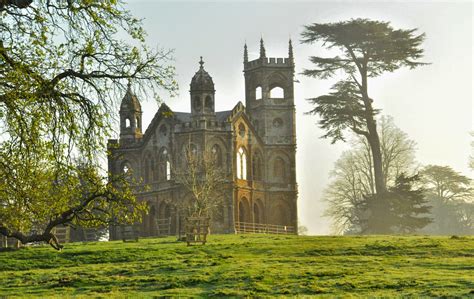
(366, 49)
(446, 183)
(451, 195)
(62, 68)
(407, 206)
(353, 176)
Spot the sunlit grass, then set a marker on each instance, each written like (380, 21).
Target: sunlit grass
(243, 265)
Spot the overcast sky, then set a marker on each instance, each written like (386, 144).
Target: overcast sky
(432, 104)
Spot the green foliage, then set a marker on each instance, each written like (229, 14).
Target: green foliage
(245, 265)
(367, 46)
(341, 109)
(62, 68)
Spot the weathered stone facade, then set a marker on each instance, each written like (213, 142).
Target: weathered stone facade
(256, 146)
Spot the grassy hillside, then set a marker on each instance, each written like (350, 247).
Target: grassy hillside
(242, 265)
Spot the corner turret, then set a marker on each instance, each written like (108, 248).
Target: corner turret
(130, 118)
(202, 94)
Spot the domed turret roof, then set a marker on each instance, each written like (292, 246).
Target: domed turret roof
(202, 80)
(130, 101)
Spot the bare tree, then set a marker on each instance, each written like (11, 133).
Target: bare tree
(353, 176)
(204, 179)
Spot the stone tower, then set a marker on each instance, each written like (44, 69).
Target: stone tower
(130, 118)
(202, 94)
(269, 96)
(270, 106)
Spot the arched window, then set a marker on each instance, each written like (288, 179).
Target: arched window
(127, 123)
(241, 164)
(258, 93)
(256, 213)
(168, 170)
(165, 166)
(279, 169)
(197, 103)
(277, 93)
(257, 167)
(244, 210)
(148, 166)
(208, 102)
(217, 154)
(137, 123)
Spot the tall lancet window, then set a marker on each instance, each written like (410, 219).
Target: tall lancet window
(241, 164)
(168, 170)
(165, 166)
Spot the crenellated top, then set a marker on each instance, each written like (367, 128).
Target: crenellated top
(265, 61)
(271, 62)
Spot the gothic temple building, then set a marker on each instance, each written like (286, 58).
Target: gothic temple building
(255, 144)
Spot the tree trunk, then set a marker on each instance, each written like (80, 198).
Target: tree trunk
(373, 136)
(46, 236)
(374, 142)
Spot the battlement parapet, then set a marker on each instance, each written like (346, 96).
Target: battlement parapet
(269, 61)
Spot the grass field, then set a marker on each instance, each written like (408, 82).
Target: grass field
(241, 265)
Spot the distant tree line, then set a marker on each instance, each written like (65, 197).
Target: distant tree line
(448, 201)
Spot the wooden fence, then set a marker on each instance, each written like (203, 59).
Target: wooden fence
(62, 233)
(163, 226)
(263, 228)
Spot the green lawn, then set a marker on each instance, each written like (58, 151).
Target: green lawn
(240, 265)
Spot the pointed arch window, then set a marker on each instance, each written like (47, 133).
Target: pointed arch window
(165, 166)
(137, 123)
(168, 170)
(208, 102)
(241, 164)
(277, 93)
(148, 166)
(279, 170)
(217, 154)
(127, 123)
(197, 103)
(258, 93)
(257, 167)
